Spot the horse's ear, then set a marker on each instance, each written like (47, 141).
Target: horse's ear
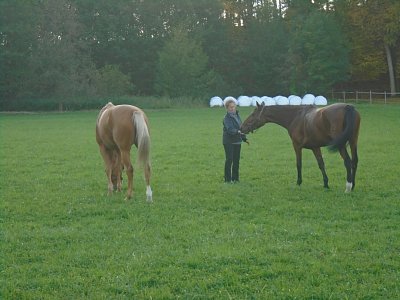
(260, 105)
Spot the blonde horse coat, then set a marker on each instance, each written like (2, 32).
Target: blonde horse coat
(118, 127)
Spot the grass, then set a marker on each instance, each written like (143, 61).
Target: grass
(62, 237)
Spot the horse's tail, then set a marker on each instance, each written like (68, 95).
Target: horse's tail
(349, 127)
(142, 138)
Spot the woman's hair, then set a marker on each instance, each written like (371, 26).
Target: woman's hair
(229, 102)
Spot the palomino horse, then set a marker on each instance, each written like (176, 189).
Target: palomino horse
(117, 129)
(312, 128)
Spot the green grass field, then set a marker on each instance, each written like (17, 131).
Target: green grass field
(62, 237)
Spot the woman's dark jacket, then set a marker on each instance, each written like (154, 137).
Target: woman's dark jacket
(231, 135)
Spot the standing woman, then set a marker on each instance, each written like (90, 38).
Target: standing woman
(232, 140)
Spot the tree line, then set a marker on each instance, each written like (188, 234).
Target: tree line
(81, 49)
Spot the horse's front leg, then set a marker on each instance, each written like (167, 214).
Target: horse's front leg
(321, 165)
(297, 150)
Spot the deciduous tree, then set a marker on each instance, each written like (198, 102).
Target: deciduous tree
(374, 31)
(61, 59)
(183, 67)
(318, 55)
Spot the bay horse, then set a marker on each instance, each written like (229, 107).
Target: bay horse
(118, 127)
(311, 127)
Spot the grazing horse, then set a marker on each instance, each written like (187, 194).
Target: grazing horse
(312, 128)
(118, 127)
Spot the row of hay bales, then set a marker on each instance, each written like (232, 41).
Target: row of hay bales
(308, 99)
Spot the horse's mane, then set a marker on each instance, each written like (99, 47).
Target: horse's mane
(287, 108)
(291, 107)
(286, 113)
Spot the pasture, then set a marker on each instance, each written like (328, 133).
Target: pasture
(62, 237)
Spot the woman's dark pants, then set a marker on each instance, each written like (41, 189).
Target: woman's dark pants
(232, 157)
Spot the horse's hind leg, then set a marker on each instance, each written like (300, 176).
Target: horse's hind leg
(108, 161)
(321, 165)
(117, 171)
(354, 164)
(348, 165)
(353, 147)
(126, 161)
(147, 174)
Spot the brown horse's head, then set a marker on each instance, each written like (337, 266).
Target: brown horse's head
(254, 121)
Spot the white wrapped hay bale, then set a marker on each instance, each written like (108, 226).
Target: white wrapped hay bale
(282, 100)
(255, 100)
(294, 100)
(230, 98)
(268, 101)
(244, 101)
(320, 100)
(308, 99)
(216, 102)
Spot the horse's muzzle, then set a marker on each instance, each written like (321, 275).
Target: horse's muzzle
(245, 130)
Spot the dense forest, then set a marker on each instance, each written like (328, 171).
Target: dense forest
(83, 49)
